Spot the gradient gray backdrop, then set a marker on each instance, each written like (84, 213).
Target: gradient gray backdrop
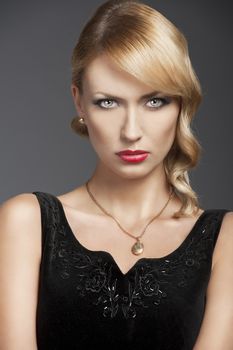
(38, 149)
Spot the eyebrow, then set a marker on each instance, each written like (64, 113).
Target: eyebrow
(151, 94)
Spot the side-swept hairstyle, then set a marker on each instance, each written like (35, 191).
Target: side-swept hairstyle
(144, 43)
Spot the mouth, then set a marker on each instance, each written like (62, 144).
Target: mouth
(133, 158)
(131, 152)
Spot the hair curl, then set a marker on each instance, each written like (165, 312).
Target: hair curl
(144, 43)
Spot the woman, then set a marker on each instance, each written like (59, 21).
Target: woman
(129, 258)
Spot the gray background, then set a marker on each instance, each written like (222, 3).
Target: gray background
(38, 149)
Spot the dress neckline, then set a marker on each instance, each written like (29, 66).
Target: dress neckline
(140, 260)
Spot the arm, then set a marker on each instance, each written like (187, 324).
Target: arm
(20, 245)
(216, 332)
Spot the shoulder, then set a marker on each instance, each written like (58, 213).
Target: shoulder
(226, 227)
(227, 221)
(216, 326)
(22, 207)
(20, 220)
(20, 252)
(224, 243)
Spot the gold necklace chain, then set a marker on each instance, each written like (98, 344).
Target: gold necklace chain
(138, 247)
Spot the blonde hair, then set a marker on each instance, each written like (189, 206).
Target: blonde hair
(144, 43)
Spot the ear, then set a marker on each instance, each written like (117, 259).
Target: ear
(77, 99)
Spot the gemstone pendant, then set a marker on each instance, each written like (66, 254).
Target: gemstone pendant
(137, 248)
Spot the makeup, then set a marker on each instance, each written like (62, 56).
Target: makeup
(134, 158)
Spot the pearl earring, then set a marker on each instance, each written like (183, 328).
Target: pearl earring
(81, 120)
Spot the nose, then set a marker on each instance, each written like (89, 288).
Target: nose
(131, 130)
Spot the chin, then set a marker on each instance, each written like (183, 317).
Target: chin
(132, 172)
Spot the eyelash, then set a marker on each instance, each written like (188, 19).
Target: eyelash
(163, 100)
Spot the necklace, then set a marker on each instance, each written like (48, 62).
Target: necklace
(138, 246)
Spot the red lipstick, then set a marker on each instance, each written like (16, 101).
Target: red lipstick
(133, 156)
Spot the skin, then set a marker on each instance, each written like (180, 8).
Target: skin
(126, 123)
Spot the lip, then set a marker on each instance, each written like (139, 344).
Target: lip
(131, 152)
(134, 158)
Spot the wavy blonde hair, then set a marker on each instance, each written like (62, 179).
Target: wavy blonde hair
(144, 43)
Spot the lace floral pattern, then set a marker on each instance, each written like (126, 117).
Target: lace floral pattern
(146, 284)
(93, 275)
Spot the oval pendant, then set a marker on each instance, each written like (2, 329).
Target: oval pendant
(137, 248)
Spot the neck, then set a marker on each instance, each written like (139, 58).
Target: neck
(141, 198)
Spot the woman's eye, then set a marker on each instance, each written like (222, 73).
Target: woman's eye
(158, 102)
(104, 103)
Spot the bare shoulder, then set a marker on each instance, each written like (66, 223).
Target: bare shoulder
(227, 222)
(20, 218)
(216, 329)
(224, 243)
(20, 237)
(19, 203)
(226, 229)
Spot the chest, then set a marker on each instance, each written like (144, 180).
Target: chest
(93, 283)
(160, 238)
(93, 259)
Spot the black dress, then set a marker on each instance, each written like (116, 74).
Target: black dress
(85, 301)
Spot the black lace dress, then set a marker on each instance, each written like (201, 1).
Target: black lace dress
(85, 301)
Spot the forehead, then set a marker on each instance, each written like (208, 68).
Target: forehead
(102, 73)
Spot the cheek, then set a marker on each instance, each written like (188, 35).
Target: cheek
(164, 128)
(169, 130)
(167, 121)
(100, 135)
(162, 133)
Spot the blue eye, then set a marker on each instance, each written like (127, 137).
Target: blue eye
(104, 106)
(160, 102)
